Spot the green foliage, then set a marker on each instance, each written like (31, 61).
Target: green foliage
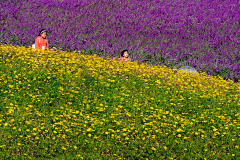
(111, 114)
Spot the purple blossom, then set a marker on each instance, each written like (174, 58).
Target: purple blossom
(181, 31)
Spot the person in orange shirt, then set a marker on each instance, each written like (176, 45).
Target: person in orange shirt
(125, 56)
(41, 42)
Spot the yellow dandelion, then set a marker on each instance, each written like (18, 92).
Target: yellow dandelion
(63, 148)
(153, 148)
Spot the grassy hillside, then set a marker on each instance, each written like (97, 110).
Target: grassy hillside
(65, 105)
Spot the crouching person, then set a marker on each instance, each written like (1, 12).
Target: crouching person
(125, 56)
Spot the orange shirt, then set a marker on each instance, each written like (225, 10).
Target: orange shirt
(124, 59)
(39, 43)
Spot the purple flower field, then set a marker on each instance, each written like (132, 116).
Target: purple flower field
(203, 34)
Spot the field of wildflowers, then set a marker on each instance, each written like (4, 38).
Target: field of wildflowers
(202, 34)
(65, 105)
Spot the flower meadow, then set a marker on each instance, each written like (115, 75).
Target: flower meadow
(202, 34)
(71, 105)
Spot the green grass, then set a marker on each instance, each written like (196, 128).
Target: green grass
(48, 114)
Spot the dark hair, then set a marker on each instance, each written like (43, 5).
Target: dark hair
(41, 32)
(122, 53)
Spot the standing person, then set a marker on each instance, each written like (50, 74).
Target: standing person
(41, 42)
(125, 56)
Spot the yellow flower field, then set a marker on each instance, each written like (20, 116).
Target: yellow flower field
(59, 104)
